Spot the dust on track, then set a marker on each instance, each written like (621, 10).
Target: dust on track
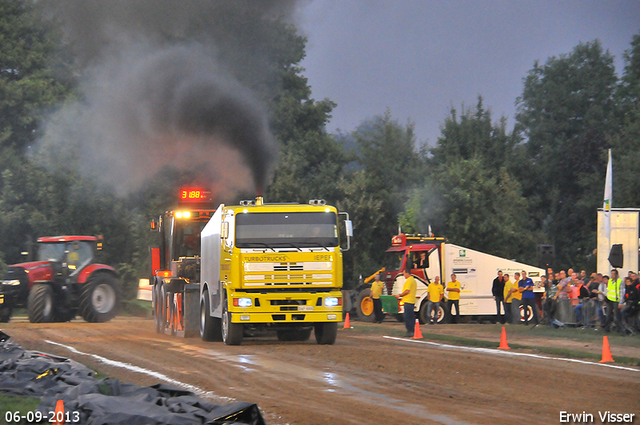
(362, 379)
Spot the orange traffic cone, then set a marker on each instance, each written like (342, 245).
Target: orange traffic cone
(416, 331)
(503, 341)
(58, 418)
(606, 352)
(347, 324)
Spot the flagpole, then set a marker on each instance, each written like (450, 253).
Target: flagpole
(607, 203)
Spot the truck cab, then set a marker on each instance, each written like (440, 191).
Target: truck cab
(272, 266)
(422, 254)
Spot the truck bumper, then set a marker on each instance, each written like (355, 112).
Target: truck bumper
(291, 308)
(299, 317)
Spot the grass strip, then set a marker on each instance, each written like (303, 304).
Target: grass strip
(561, 352)
(482, 343)
(10, 404)
(138, 308)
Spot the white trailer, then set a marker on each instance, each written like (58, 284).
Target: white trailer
(624, 230)
(474, 270)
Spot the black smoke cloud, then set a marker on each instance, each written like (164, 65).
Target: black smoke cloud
(158, 90)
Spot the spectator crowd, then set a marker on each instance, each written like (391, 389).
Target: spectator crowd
(596, 301)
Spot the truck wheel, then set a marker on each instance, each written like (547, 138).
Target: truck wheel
(326, 333)
(5, 314)
(294, 334)
(443, 314)
(231, 332)
(422, 314)
(209, 326)
(364, 306)
(158, 312)
(100, 298)
(171, 312)
(521, 313)
(40, 304)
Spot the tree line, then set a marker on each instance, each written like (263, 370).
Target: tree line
(481, 185)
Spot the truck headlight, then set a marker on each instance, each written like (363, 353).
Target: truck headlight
(332, 301)
(14, 282)
(242, 302)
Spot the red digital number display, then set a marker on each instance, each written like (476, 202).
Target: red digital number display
(187, 195)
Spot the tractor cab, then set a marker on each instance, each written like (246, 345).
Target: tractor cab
(68, 255)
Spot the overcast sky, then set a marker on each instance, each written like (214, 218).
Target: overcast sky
(418, 58)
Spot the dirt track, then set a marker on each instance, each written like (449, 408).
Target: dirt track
(364, 378)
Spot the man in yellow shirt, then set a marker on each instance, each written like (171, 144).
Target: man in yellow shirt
(376, 290)
(453, 295)
(408, 297)
(516, 299)
(435, 294)
(508, 297)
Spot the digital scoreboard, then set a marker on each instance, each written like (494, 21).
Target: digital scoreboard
(194, 195)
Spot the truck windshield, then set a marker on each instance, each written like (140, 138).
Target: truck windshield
(187, 238)
(393, 260)
(51, 252)
(297, 230)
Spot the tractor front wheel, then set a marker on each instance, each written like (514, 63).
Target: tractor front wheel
(364, 306)
(40, 304)
(100, 298)
(5, 314)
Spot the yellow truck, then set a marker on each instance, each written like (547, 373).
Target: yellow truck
(258, 266)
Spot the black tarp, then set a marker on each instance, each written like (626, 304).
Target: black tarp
(108, 401)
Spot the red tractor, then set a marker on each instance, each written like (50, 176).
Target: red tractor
(64, 280)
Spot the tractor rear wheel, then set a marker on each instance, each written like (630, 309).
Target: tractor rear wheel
(40, 304)
(100, 298)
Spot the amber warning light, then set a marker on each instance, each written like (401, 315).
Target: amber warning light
(194, 195)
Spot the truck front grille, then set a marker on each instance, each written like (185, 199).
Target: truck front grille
(289, 266)
(288, 273)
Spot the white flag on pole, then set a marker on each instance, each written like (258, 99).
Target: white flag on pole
(606, 206)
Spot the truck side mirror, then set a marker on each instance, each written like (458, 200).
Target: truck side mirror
(348, 227)
(224, 231)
